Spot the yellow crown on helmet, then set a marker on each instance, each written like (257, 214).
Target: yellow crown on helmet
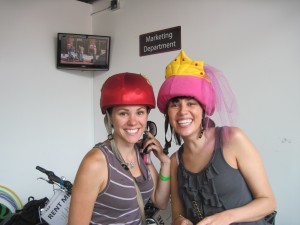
(183, 65)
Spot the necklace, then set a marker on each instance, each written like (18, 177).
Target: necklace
(131, 165)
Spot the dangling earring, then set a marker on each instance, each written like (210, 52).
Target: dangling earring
(201, 132)
(202, 129)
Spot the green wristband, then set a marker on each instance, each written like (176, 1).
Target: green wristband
(164, 178)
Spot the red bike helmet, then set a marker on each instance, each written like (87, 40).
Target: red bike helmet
(126, 89)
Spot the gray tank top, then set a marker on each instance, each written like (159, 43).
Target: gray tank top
(117, 203)
(216, 188)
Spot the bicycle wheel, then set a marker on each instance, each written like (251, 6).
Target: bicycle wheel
(10, 196)
(4, 212)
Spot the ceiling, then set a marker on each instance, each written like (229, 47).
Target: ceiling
(88, 1)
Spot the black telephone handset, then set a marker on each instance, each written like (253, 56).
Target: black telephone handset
(151, 127)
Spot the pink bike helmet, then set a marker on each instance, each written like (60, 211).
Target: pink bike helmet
(185, 77)
(188, 78)
(208, 85)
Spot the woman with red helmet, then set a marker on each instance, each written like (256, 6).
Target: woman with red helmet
(218, 177)
(114, 182)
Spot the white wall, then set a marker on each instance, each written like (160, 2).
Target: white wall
(255, 43)
(46, 115)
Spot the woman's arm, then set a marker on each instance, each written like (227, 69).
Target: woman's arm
(250, 163)
(177, 207)
(90, 179)
(161, 193)
(240, 153)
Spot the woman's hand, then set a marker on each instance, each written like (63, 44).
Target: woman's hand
(216, 219)
(152, 144)
(180, 220)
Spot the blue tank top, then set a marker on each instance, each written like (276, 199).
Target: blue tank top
(117, 203)
(216, 188)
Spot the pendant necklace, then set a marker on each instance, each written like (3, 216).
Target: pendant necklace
(130, 165)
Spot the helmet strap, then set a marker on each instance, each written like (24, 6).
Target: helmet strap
(110, 138)
(108, 125)
(167, 143)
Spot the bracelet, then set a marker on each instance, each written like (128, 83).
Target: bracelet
(164, 178)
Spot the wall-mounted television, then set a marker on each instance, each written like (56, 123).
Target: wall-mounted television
(82, 51)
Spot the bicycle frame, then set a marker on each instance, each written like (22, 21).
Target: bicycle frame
(56, 209)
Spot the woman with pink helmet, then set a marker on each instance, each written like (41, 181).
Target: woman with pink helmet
(218, 177)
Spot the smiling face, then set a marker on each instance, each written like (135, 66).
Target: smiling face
(185, 116)
(129, 123)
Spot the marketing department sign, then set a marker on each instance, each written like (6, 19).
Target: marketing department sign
(160, 41)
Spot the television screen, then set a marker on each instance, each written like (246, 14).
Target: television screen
(82, 51)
